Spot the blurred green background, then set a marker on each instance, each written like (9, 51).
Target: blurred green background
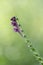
(13, 49)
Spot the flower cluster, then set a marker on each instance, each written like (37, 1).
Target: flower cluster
(16, 25)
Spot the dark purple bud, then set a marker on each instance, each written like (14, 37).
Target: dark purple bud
(13, 19)
(16, 29)
(14, 23)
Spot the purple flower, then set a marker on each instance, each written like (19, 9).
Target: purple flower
(14, 21)
(16, 25)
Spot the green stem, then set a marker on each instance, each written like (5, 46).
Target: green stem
(34, 51)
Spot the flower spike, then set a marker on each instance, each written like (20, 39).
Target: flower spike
(21, 32)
